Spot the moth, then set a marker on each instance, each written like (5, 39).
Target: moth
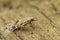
(11, 27)
(19, 23)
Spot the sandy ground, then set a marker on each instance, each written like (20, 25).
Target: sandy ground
(46, 13)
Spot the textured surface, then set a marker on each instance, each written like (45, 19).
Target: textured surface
(46, 13)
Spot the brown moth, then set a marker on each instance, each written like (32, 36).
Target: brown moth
(15, 25)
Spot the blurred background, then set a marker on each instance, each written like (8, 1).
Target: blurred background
(46, 13)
